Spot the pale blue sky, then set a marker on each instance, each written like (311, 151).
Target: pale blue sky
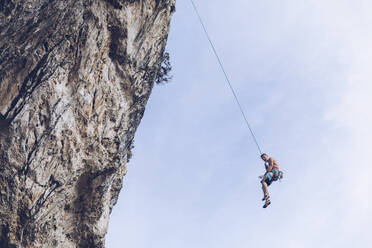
(302, 70)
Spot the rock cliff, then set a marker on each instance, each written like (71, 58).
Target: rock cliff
(75, 76)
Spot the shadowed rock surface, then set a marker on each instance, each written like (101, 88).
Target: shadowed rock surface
(75, 76)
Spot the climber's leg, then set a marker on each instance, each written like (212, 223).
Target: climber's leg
(266, 181)
(265, 189)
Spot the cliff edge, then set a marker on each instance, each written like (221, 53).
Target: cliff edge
(75, 77)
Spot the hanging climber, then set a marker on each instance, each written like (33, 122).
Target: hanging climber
(272, 174)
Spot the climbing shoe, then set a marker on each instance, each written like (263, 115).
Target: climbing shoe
(267, 203)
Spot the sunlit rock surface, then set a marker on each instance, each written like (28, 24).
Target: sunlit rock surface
(75, 76)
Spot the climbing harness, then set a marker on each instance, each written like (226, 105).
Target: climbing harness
(277, 176)
(226, 77)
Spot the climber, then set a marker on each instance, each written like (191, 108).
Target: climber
(272, 174)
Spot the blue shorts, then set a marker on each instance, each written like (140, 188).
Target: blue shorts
(269, 179)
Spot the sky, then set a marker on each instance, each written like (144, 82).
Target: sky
(302, 71)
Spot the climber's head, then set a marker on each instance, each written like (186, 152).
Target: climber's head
(264, 157)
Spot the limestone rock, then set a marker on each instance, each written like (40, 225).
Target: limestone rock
(75, 76)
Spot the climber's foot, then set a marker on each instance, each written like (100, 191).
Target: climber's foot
(267, 203)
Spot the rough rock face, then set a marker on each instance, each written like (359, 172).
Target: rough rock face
(75, 76)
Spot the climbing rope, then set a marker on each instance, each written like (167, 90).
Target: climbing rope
(227, 78)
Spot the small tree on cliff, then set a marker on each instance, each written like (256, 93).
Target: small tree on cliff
(165, 68)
